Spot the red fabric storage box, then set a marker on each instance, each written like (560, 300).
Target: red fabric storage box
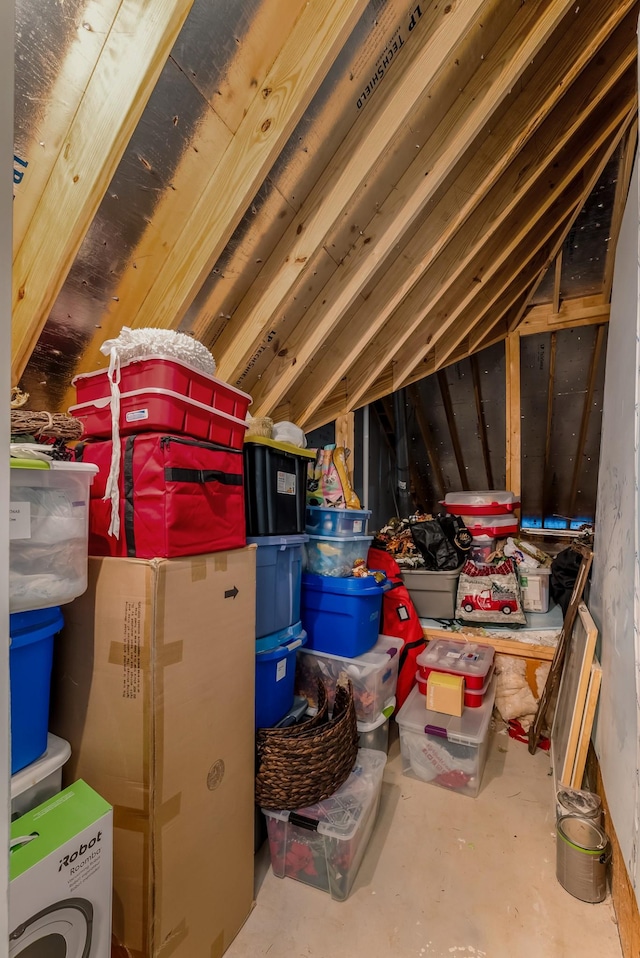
(159, 410)
(158, 372)
(178, 497)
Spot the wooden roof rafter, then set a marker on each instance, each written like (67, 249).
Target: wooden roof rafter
(395, 309)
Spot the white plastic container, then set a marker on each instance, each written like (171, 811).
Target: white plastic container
(41, 780)
(374, 676)
(324, 845)
(335, 556)
(375, 735)
(323, 521)
(49, 528)
(534, 585)
(445, 750)
(480, 502)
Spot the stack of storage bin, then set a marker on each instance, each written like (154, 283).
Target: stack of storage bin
(49, 522)
(341, 614)
(180, 461)
(447, 750)
(276, 489)
(489, 515)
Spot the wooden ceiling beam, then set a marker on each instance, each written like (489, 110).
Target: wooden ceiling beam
(452, 322)
(470, 199)
(306, 56)
(373, 134)
(619, 202)
(131, 58)
(521, 41)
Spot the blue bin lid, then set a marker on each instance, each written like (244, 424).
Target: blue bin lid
(343, 585)
(294, 642)
(354, 513)
(282, 541)
(27, 627)
(272, 641)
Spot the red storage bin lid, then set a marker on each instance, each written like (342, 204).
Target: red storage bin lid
(482, 502)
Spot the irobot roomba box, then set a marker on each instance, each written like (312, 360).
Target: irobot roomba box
(60, 892)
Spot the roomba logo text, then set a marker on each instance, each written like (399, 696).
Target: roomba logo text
(69, 860)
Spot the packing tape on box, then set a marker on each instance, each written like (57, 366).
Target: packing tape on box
(217, 948)
(199, 568)
(174, 939)
(137, 819)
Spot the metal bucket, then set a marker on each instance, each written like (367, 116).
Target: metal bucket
(573, 801)
(583, 852)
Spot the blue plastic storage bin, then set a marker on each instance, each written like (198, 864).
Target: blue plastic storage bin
(341, 616)
(337, 522)
(30, 660)
(278, 577)
(275, 673)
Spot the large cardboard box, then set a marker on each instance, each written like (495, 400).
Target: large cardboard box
(154, 689)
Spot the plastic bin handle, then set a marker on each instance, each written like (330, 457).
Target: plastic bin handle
(436, 730)
(292, 644)
(311, 824)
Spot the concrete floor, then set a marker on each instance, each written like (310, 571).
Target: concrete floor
(443, 876)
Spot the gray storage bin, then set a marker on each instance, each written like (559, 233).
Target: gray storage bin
(433, 593)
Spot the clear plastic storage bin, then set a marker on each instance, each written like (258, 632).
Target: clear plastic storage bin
(48, 532)
(534, 585)
(337, 522)
(375, 735)
(324, 845)
(329, 555)
(445, 750)
(469, 659)
(374, 676)
(41, 780)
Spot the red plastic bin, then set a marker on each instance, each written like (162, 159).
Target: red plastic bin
(469, 659)
(484, 502)
(473, 698)
(161, 410)
(158, 372)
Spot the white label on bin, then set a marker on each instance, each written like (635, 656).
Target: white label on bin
(287, 483)
(357, 525)
(19, 520)
(281, 669)
(136, 415)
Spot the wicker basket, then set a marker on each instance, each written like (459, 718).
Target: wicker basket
(306, 763)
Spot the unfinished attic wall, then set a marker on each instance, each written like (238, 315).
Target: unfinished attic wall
(615, 600)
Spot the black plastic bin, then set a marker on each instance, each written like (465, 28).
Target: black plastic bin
(275, 487)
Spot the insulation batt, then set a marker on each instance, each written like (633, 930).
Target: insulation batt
(514, 698)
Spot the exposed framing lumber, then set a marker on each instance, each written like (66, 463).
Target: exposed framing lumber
(580, 311)
(504, 142)
(546, 478)
(131, 58)
(523, 650)
(568, 191)
(304, 60)
(504, 64)
(619, 202)
(370, 137)
(443, 384)
(482, 423)
(513, 421)
(586, 414)
(428, 440)
(557, 279)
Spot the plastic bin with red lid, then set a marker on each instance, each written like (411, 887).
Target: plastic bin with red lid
(494, 527)
(483, 502)
(161, 410)
(473, 698)
(160, 372)
(468, 659)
